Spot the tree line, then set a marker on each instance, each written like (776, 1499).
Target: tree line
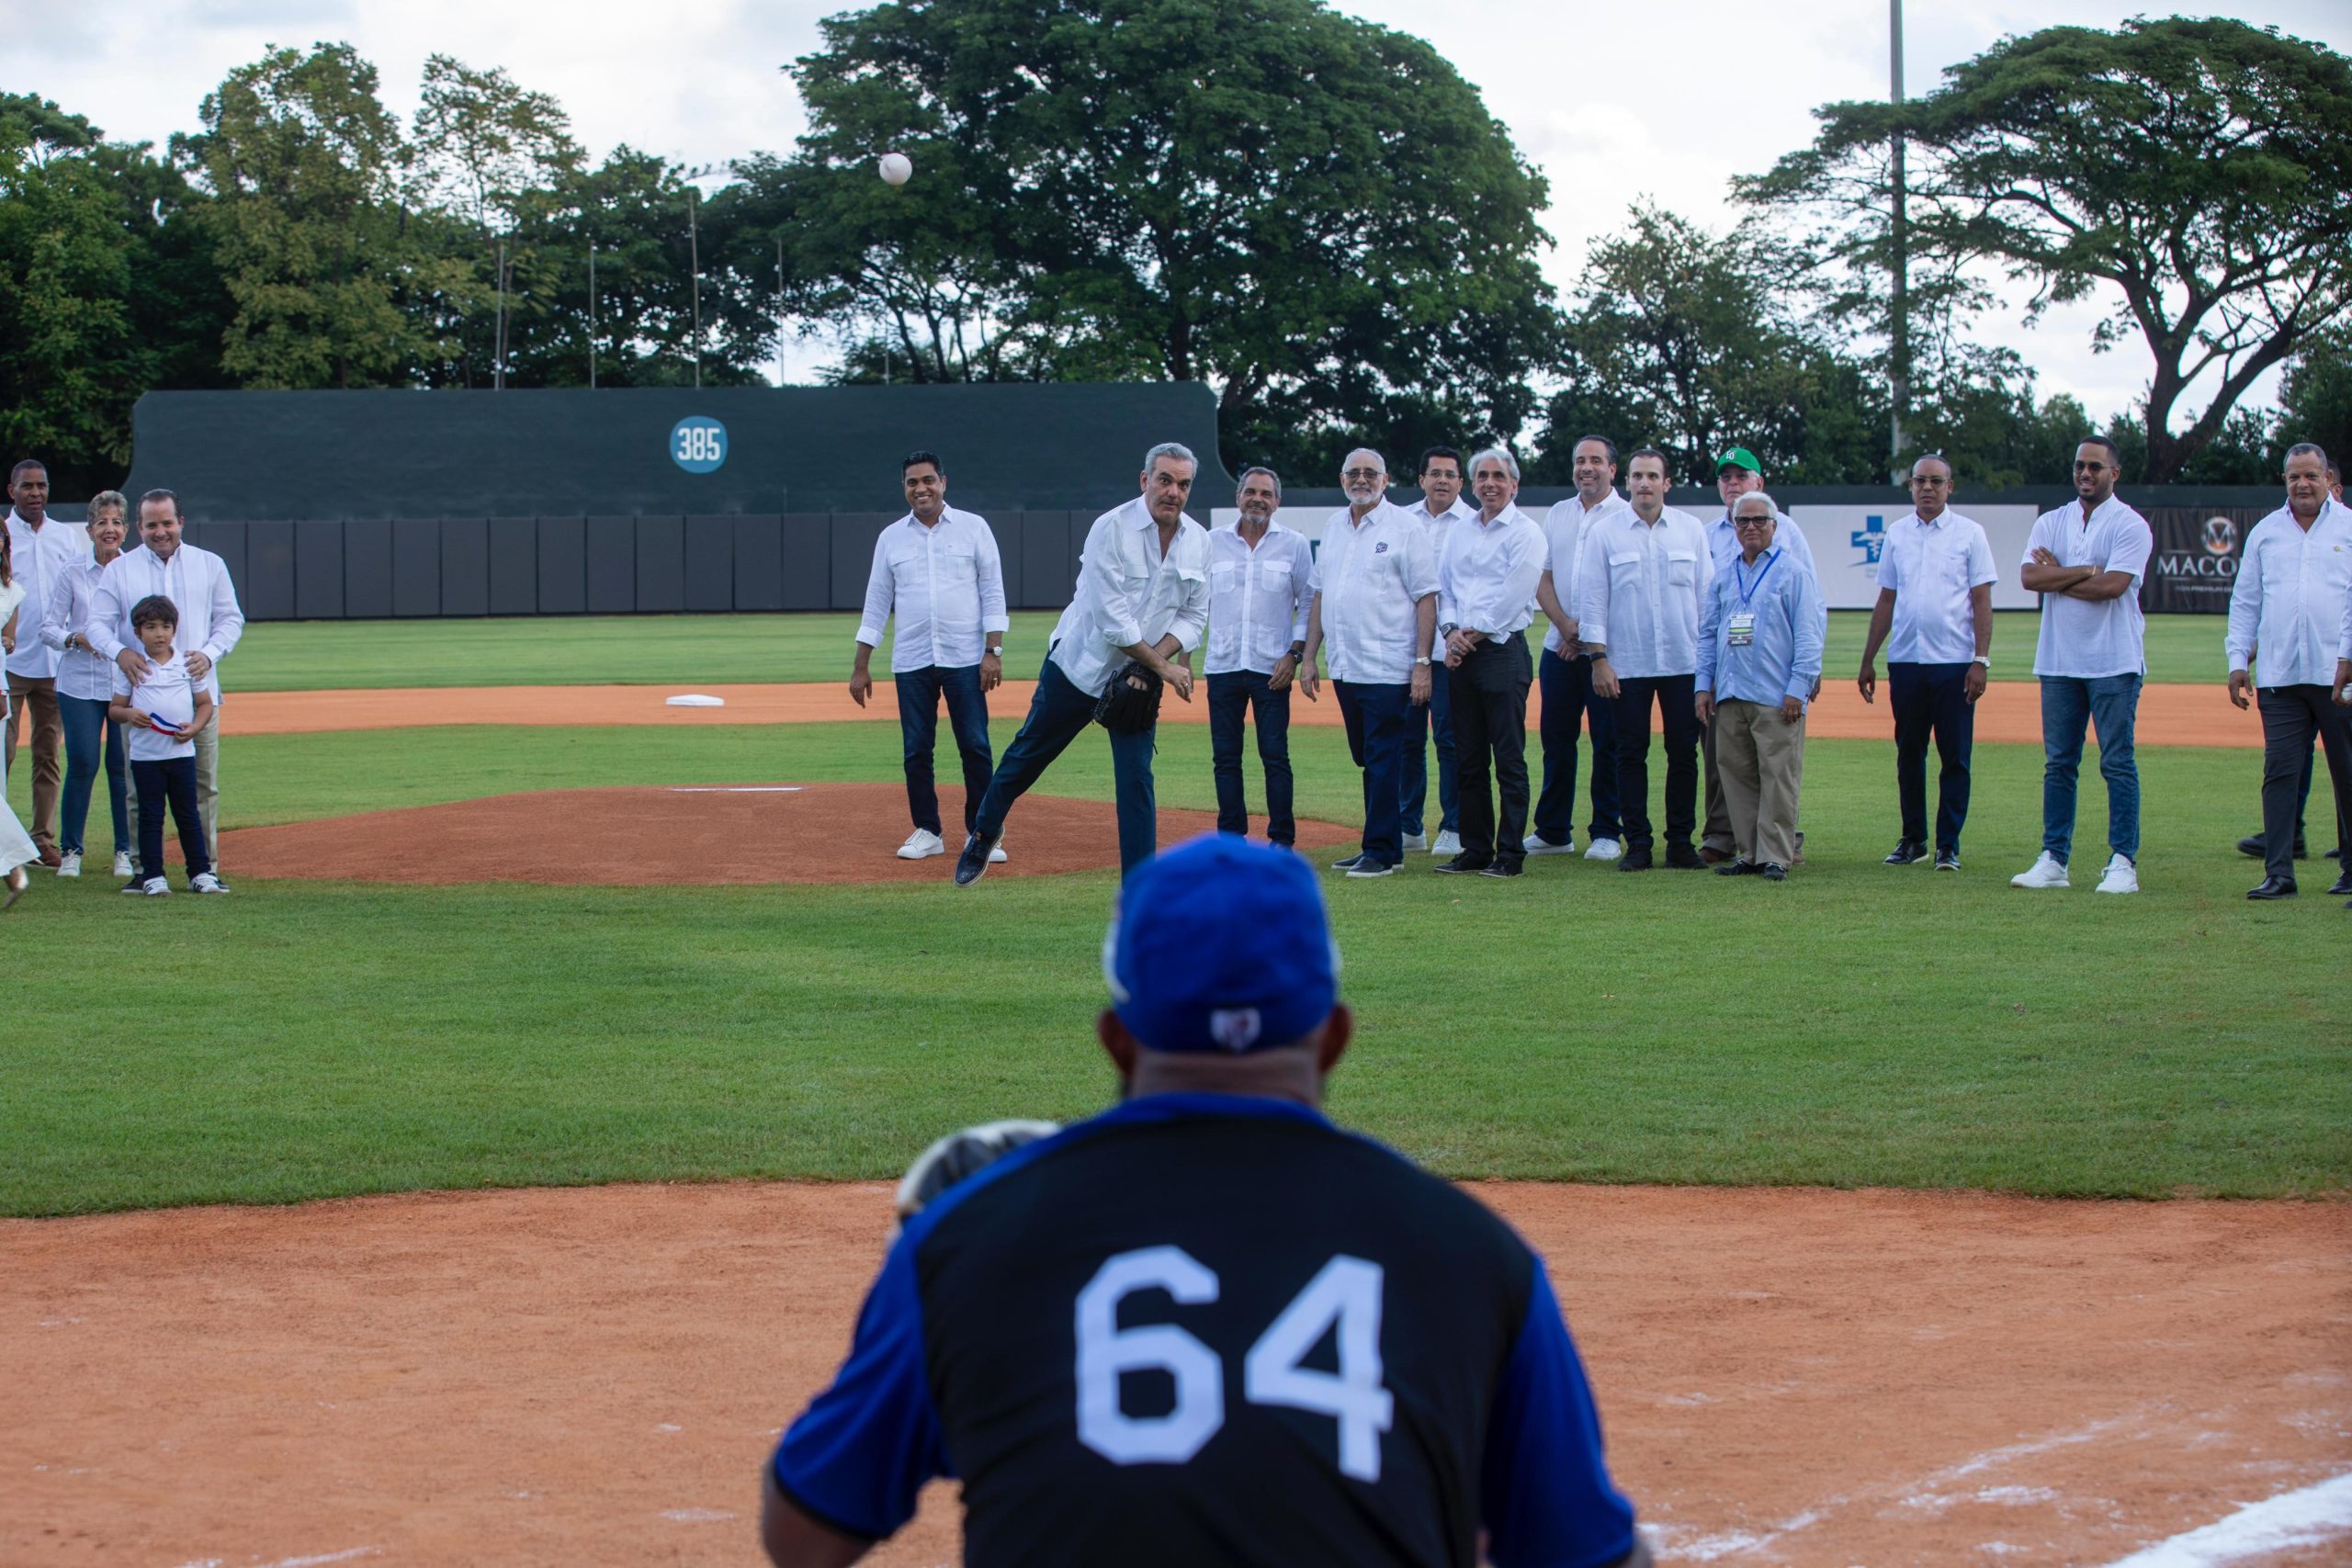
(1314, 215)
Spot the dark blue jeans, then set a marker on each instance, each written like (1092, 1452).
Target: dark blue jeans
(1436, 718)
(86, 724)
(968, 715)
(1932, 700)
(1376, 720)
(1568, 704)
(172, 779)
(2111, 705)
(1231, 696)
(1057, 715)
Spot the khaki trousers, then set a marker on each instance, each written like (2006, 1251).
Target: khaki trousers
(208, 797)
(39, 697)
(1762, 758)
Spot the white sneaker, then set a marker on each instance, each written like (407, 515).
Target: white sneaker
(205, 882)
(2121, 876)
(1416, 840)
(1604, 849)
(155, 887)
(1539, 845)
(123, 863)
(922, 844)
(72, 865)
(996, 855)
(2047, 872)
(1449, 843)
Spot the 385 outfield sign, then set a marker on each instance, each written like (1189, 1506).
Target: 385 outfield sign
(698, 443)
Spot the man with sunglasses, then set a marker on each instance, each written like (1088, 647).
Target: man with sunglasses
(1935, 604)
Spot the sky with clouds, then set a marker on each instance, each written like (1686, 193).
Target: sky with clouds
(1668, 98)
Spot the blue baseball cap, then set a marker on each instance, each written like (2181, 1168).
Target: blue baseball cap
(1221, 944)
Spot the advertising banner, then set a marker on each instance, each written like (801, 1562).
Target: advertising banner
(1848, 541)
(2196, 560)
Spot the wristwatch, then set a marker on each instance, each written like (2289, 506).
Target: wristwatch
(1298, 652)
(1983, 659)
(1449, 629)
(998, 650)
(1424, 658)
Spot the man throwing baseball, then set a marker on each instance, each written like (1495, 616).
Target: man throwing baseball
(1207, 1325)
(1142, 598)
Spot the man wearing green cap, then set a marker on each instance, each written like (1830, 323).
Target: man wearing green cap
(1737, 473)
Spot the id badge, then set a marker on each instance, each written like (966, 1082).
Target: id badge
(1741, 630)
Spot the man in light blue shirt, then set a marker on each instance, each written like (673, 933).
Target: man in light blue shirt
(1737, 473)
(1759, 663)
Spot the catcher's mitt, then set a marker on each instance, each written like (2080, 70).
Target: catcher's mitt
(1130, 703)
(960, 1155)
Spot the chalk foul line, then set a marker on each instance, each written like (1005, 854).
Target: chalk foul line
(2302, 1518)
(737, 789)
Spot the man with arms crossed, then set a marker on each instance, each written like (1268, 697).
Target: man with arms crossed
(1110, 1335)
(1737, 473)
(1935, 595)
(1565, 672)
(2284, 608)
(1261, 581)
(1486, 574)
(1142, 596)
(1376, 599)
(1644, 579)
(1439, 508)
(937, 570)
(2087, 560)
(197, 582)
(43, 553)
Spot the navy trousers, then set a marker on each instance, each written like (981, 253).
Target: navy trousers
(1570, 705)
(1436, 718)
(1932, 699)
(1057, 715)
(171, 779)
(1675, 697)
(1232, 697)
(967, 716)
(1376, 718)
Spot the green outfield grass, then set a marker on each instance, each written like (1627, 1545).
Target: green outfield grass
(1857, 1025)
(282, 656)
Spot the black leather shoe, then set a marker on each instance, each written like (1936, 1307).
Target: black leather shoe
(2252, 845)
(973, 864)
(1773, 871)
(1735, 868)
(1347, 864)
(1947, 860)
(1682, 857)
(1907, 853)
(1500, 868)
(1461, 865)
(1635, 858)
(2343, 887)
(2273, 887)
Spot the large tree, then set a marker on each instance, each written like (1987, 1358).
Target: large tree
(1317, 216)
(2196, 174)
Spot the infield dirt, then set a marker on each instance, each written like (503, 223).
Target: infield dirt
(596, 1375)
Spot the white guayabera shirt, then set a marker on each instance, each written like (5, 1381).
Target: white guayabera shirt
(944, 582)
(1371, 575)
(195, 581)
(1128, 592)
(1641, 588)
(1258, 598)
(1565, 527)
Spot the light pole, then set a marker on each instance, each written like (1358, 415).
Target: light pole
(592, 315)
(1899, 326)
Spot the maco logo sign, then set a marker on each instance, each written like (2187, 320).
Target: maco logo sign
(2215, 561)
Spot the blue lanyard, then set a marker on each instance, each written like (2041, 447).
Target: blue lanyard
(1747, 590)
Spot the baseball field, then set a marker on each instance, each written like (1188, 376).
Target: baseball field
(1903, 1217)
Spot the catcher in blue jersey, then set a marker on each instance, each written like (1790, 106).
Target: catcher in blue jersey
(1207, 1325)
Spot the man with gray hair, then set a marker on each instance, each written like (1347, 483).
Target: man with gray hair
(1142, 598)
(1486, 574)
(1261, 581)
(2292, 586)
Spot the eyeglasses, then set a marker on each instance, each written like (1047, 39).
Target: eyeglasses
(1928, 482)
(1752, 522)
(1363, 474)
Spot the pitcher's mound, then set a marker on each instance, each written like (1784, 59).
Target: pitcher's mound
(694, 833)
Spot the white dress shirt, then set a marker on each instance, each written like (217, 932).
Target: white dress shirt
(2087, 639)
(196, 582)
(79, 673)
(1565, 527)
(1369, 576)
(38, 560)
(1643, 586)
(1931, 567)
(944, 582)
(1258, 598)
(2290, 587)
(1486, 574)
(1438, 524)
(1129, 593)
(2345, 651)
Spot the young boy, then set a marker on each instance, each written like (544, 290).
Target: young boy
(159, 714)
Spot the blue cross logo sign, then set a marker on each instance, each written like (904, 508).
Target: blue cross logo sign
(1869, 539)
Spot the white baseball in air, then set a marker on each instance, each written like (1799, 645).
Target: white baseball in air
(897, 168)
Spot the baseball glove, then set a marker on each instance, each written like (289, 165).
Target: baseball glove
(1130, 703)
(960, 1155)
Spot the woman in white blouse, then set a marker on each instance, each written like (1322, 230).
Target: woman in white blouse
(85, 687)
(16, 849)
